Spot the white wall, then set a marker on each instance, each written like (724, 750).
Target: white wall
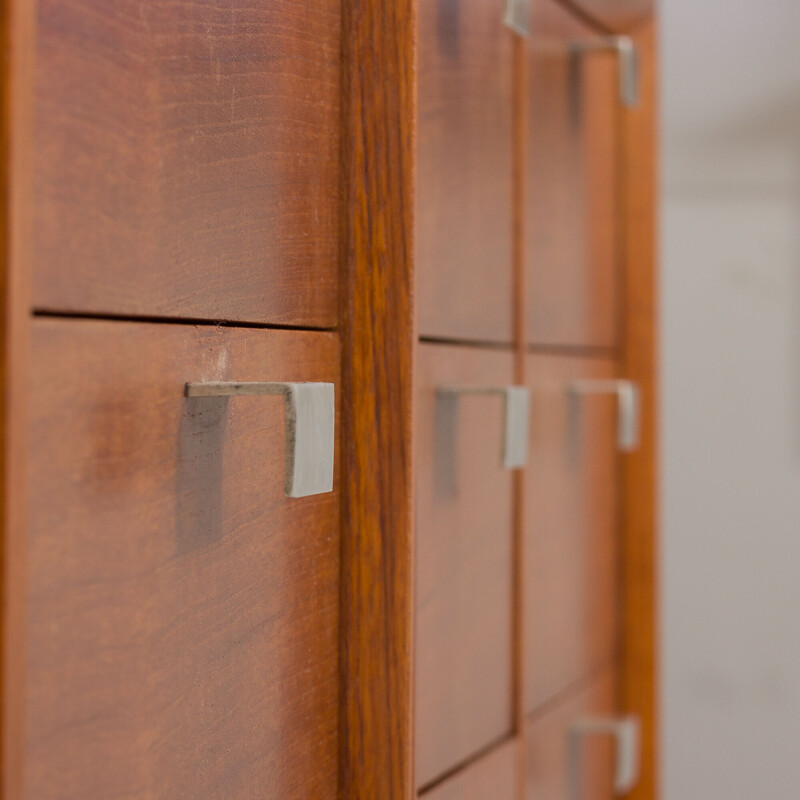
(731, 399)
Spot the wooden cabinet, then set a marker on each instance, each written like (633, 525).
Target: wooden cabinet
(464, 545)
(571, 217)
(491, 777)
(182, 612)
(464, 171)
(548, 743)
(572, 533)
(443, 210)
(204, 141)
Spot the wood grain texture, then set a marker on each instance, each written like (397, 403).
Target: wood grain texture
(640, 654)
(492, 777)
(572, 547)
(377, 330)
(464, 567)
(17, 29)
(182, 612)
(187, 159)
(520, 506)
(571, 216)
(619, 16)
(547, 744)
(464, 196)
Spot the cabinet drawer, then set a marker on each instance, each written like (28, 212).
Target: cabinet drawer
(571, 530)
(548, 735)
(493, 777)
(186, 159)
(464, 560)
(571, 217)
(464, 191)
(617, 15)
(182, 610)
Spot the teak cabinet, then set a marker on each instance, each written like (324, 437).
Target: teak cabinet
(328, 409)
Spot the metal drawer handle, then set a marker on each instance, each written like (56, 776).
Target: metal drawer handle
(628, 407)
(517, 16)
(515, 425)
(310, 414)
(627, 734)
(627, 63)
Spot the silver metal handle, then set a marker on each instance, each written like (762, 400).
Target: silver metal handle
(628, 407)
(627, 63)
(627, 735)
(515, 425)
(517, 16)
(310, 415)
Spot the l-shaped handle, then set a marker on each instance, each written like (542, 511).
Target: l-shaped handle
(515, 426)
(627, 739)
(310, 414)
(628, 407)
(627, 63)
(517, 16)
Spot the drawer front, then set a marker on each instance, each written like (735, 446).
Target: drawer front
(464, 560)
(547, 740)
(182, 611)
(493, 777)
(571, 530)
(464, 173)
(187, 159)
(571, 217)
(617, 15)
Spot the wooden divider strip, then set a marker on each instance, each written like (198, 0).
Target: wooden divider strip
(377, 330)
(639, 662)
(16, 171)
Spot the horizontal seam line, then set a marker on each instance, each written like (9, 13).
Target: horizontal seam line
(165, 320)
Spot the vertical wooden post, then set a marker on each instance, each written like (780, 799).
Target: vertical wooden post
(519, 178)
(377, 330)
(639, 665)
(16, 170)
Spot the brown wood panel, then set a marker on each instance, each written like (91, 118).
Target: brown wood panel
(464, 151)
(378, 339)
(614, 15)
(547, 745)
(520, 54)
(182, 612)
(187, 159)
(572, 222)
(17, 27)
(492, 777)
(640, 656)
(572, 546)
(464, 579)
